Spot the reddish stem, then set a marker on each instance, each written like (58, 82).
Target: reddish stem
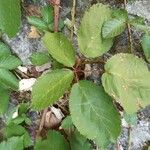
(56, 4)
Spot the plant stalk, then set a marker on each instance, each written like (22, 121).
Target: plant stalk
(129, 31)
(73, 12)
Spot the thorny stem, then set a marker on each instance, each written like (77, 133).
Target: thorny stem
(129, 31)
(73, 12)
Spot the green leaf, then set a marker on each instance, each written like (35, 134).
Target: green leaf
(37, 22)
(120, 14)
(27, 141)
(54, 141)
(8, 79)
(13, 129)
(94, 114)
(14, 143)
(60, 48)
(56, 65)
(50, 87)
(4, 50)
(21, 119)
(79, 142)
(137, 20)
(23, 108)
(127, 80)
(67, 123)
(143, 28)
(48, 14)
(40, 58)
(9, 62)
(113, 28)
(90, 41)
(146, 46)
(4, 100)
(10, 16)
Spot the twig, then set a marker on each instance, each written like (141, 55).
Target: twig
(56, 18)
(129, 31)
(56, 4)
(73, 12)
(42, 122)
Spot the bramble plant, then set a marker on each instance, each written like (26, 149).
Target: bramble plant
(93, 112)
(8, 80)
(126, 77)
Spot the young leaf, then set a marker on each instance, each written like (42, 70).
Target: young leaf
(90, 41)
(67, 123)
(93, 113)
(50, 87)
(54, 141)
(79, 142)
(13, 129)
(113, 28)
(60, 48)
(48, 14)
(127, 80)
(137, 20)
(143, 28)
(120, 14)
(13, 143)
(8, 80)
(40, 58)
(10, 16)
(9, 62)
(4, 99)
(4, 50)
(146, 46)
(37, 22)
(23, 108)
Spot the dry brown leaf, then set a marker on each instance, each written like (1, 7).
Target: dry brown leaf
(34, 33)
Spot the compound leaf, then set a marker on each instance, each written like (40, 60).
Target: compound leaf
(60, 48)
(93, 113)
(90, 41)
(127, 79)
(10, 16)
(50, 87)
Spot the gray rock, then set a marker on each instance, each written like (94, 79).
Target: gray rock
(140, 8)
(22, 45)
